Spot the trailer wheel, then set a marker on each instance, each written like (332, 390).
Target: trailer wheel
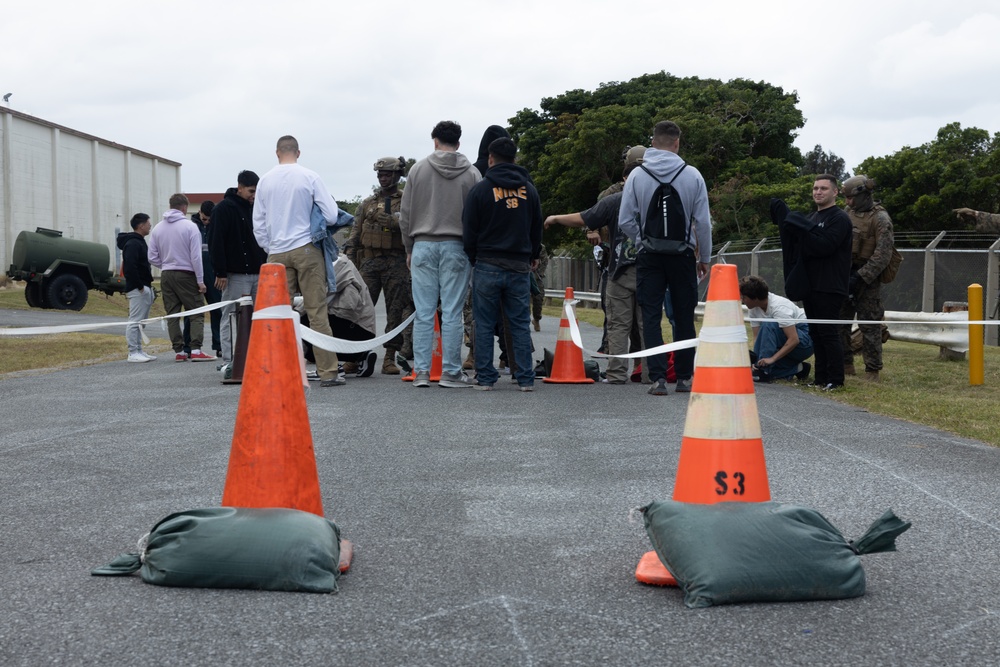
(33, 295)
(67, 292)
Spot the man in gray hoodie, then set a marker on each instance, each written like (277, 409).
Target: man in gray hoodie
(431, 224)
(679, 268)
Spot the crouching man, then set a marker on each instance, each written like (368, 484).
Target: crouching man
(780, 348)
(351, 314)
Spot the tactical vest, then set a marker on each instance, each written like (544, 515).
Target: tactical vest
(865, 236)
(380, 224)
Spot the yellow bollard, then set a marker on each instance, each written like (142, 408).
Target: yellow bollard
(976, 363)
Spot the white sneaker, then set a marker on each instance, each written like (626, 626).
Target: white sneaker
(137, 358)
(148, 356)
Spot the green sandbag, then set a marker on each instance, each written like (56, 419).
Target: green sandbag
(761, 552)
(227, 547)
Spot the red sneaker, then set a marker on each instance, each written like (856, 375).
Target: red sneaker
(201, 356)
(181, 356)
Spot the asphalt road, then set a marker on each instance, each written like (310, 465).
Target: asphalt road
(490, 528)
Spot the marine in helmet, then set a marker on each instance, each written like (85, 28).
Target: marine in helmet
(623, 319)
(632, 158)
(871, 250)
(376, 248)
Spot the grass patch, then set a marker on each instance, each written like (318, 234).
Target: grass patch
(59, 351)
(917, 385)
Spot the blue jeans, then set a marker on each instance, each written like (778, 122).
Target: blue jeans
(491, 287)
(438, 270)
(770, 339)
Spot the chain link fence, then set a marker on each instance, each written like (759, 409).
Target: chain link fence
(937, 267)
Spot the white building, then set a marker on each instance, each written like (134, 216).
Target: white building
(86, 187)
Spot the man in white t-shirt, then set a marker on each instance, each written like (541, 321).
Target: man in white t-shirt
(780, 348)
(283, 228)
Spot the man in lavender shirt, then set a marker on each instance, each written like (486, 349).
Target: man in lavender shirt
(175, 248)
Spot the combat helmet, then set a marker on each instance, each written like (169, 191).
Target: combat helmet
(634, 155)
(390, 164)
(860, 187)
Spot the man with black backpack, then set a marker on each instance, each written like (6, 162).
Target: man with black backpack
(664, 211)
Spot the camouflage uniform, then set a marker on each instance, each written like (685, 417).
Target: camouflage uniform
(870, 254)
(987, 222)
(614, 188)
(376, 248)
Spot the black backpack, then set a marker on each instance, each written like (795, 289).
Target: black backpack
(666, 231)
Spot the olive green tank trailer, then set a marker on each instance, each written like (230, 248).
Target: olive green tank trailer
(58, 271)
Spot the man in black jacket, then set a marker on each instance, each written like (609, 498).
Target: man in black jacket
(816, 251)
(203, 220)
(502, 235)
(138, 283)
(236, 257)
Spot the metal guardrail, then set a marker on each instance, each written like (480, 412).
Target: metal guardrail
(939, 328)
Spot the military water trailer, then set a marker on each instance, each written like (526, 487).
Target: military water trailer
(58, 271)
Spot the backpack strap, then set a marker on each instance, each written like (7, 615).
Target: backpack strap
(671, 181)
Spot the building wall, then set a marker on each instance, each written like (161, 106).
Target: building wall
(84, 186)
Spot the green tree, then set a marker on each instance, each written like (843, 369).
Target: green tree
(920, 186)
(350, 205)
(738, 133)
(818, 161)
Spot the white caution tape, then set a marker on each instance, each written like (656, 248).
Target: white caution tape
(67, 328)
(730, 334)
(75, 328)
(342, 346)
(734, 334)
(322, 341)
(285, 312)
(943, 322)
(574, 332)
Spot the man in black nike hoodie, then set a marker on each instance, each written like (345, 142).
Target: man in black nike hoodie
(502, 235)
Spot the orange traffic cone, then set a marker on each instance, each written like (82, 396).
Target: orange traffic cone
(567, 363)
(435, 355)
(722, 452)
(272, 462)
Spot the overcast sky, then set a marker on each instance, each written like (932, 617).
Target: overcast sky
(214, 84)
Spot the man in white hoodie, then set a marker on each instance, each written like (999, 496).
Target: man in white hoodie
(175, 247)
(431, 224)
(662, 263)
